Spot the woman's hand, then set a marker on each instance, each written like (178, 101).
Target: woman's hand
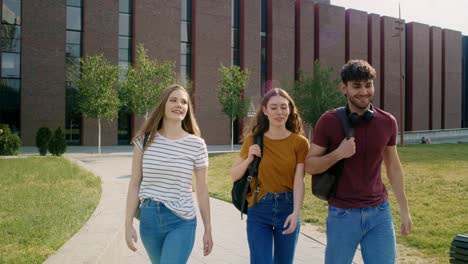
(207, 243)
(254, 150)
(131, 237)
(291, 223)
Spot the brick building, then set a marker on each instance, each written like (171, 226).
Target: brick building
(274, 39)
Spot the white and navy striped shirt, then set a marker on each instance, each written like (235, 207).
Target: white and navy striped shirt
(168, 166)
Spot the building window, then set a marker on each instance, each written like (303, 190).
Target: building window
(235, 42)
(185, 42)
(263, 39)
(10, 74)
(73, 46)
(11, 12)
(124, 126)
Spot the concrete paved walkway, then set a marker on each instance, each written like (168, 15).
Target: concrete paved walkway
(101, 239)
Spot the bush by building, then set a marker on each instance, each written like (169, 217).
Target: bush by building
(58, 144)
(9, 143)
(43, 137)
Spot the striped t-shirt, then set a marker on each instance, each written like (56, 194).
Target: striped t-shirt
(168, 166)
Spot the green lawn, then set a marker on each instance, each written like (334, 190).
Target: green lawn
(437, 189)
(43, 202)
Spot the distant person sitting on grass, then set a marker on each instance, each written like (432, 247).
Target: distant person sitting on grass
(162, 180)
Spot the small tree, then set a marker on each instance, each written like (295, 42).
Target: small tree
(145, 82)
(230, 94)
(97, 96)
(9, 143)
(58, 144)
(314, 94)
(43, 136)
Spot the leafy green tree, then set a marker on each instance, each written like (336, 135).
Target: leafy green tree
(58, 144)
(230, 94)
(97, 95)
(145, 82)
(316, 93)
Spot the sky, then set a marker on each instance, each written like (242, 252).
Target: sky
(451, 14)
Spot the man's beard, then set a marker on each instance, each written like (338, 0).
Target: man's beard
(358, 105)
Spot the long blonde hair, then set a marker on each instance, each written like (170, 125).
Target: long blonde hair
(155, 121)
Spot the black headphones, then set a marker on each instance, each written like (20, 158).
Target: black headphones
(355, 118)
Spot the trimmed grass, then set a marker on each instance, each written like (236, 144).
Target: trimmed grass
(436, 180)
(43, 202)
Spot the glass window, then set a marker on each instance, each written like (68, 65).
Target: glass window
(11, 12)
(10, 31)
(74, 18)
(186, 60)
(186, 31)
(235, 38)
(125, 55)
(125, 6)
(184, 48)
(124, 25)
(76, 3)
(124, 42)
(73, 50)
(10, 65)
(74, 37)
(235, 13)
(264, 15)
(10, 45)
(10, 103)
(235, 57)
(186, 10)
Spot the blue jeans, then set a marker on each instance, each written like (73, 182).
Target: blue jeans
(372, 227)
(265, 226)
(167, 237)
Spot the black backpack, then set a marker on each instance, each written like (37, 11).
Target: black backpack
(241, 187)
(325, 184)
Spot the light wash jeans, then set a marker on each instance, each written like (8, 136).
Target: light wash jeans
(265, 226)
(372, 227)
(167, 238)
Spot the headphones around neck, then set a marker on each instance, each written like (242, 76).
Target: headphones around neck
(355, 118)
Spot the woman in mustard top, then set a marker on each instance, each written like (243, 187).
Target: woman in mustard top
(275, 218)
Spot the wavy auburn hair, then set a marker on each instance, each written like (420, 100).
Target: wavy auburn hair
(260, 123)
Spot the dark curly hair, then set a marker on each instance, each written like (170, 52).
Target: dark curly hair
(357, 70)
(260, 123)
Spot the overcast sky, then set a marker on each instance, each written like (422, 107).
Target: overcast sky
(451, 14)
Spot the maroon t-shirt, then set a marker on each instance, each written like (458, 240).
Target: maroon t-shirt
(361, 182)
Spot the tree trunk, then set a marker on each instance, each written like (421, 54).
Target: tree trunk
(232, 134)
(99, 135)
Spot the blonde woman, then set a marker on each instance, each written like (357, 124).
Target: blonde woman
(162, 180)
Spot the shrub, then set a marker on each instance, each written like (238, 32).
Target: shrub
(9, 143)
(57, 144)
(43, 137)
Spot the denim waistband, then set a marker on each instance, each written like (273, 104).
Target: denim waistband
(381, 205)
(279, 196)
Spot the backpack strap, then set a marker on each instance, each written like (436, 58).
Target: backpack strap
(254, 169)
(348, 129)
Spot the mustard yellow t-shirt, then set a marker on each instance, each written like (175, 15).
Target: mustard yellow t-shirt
(278, 164)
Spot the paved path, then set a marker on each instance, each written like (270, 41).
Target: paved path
(101, 239)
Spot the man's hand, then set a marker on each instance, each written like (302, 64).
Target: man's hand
(347, 148)
(406, 224)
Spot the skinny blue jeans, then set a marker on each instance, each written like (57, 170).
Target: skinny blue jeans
(372, 227)
(265, 223)
(167, 238)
